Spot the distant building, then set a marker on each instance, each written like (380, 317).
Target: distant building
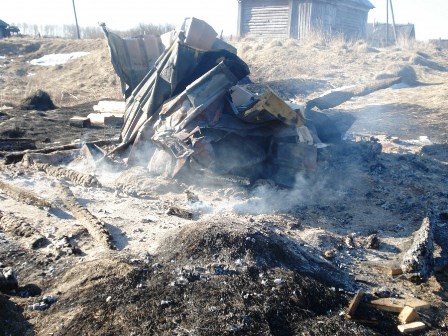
(440, 43)
(379, 35)
(4, 32)
(300, 18)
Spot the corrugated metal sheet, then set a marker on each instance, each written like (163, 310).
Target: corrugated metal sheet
(267, 18)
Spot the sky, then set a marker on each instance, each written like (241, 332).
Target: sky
(429, 16)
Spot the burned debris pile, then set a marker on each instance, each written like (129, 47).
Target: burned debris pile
(189, 114)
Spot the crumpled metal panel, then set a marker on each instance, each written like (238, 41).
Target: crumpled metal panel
(200, 104)
(175, 70)
(132, 58)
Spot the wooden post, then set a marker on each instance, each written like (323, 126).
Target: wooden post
(393, 21)
(76, 20)
(387, 23)
(239, 31)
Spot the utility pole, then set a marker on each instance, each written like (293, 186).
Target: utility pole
(387, 23)
(76, 20)
(393, 21)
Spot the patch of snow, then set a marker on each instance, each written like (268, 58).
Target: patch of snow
(57, 59)
(421, 141)
(2, 57)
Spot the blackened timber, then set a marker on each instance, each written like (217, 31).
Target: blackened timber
(14, 157)
(418, 260)
(23, 195)
(96, 227)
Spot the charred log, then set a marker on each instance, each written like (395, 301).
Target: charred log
(14, 157)
(24, 196)
(61, 173)
(418, 260)
(16, 226)
(95, 227)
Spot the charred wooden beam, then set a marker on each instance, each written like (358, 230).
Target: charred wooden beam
(20, 227)
(418, 260)
(95, 227)
(24, 196)
(14, 157)
(351, 311)
(74, 176)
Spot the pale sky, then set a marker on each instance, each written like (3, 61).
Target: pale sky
(430, 16)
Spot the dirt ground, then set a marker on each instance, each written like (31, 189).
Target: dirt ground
(207, 255)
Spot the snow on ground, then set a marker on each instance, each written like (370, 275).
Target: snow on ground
(57, 59)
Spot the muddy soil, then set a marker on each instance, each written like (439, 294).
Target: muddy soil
(249, 260)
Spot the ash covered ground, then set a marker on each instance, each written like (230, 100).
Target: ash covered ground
(208, 255)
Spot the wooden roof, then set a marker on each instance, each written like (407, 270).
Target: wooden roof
(365, 3)
(3, 24)
(360, 3)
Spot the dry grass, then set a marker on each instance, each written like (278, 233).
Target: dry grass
(88, 78)
(307, 67)
(319, 63)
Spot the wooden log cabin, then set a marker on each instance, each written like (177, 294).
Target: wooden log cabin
(300, 18)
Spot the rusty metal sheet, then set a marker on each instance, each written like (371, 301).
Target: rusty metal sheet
(270, 107)
(132, 58)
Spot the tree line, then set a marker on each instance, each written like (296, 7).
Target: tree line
(68, 31)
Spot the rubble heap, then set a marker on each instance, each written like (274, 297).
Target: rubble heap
(189, 113)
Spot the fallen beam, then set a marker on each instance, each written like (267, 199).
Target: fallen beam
(23, 195)
(14, 157)
(74, 176)
(354, 304)
(411, 327)
(95, 227)
(396, 305)
(16, 226)
(418, 260)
